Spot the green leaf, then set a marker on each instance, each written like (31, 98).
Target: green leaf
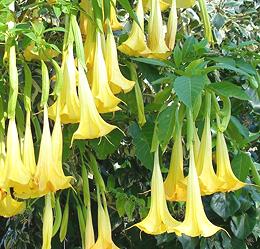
(107, 145)
(120, 203)
(187, 50)
(243, 225)
(155, 62)
(177, 55)
(232, 68)
(57, 29)
(224, 204)
(241, 164)
(241, 129)
(98, 13)
(129, 208)
(142, 142)
(165, 125)
(189, 88)
(228, 89)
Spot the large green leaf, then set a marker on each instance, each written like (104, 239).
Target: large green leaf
(241, 165)
(165, 124)
(224, 204)
(229, 90)
(189, 88)
(142, 142)
(243, 225)
(107, 145)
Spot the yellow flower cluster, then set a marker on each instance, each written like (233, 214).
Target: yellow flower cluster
(158, 43)
(202, 180)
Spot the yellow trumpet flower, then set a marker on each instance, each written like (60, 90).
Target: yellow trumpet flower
(183, 3)
(15, 175)
(156, 42)
(159, 219)
(209, 182)
(115, 24)
(91, 123)
(49, 176)
(69, 101)
(83, 19)
(28, 158)
(47, 223)
(135, 45)
(28, 149)
(2, 158)
(164, 5)
(105, 100)
(172, 26)
(117, 81)
(196, 222)
(104, 240)
(224, 170)
(90, 44)
(175, 184)
(10, 207)
(89, 231)
(57, 145)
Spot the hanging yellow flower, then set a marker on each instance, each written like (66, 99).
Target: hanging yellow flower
(28, 149)
(115, 24)
(49, 176)
(90, 44)
(15, 175)
(91, 123)
(156, 36)
(47, 223)
(209, 182)
(69, 101)
(135, 45)
(83, 18)
(105, 100)
(164, 4)
(172, 26)
(28, 158)
(117, 81)
(196, 222)
(175, 184)
(2, 158)
(159, 219)
(10, 207)
(104, 240)
(62, 181)
(224, 170)
(89, 231)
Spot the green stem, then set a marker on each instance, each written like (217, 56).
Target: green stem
(13, 73)
(138, 95)
(207, 104)
(59, 78)
(190, 128)
(27, 87)
(45, 84)
(98, 178)
(86, 193)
